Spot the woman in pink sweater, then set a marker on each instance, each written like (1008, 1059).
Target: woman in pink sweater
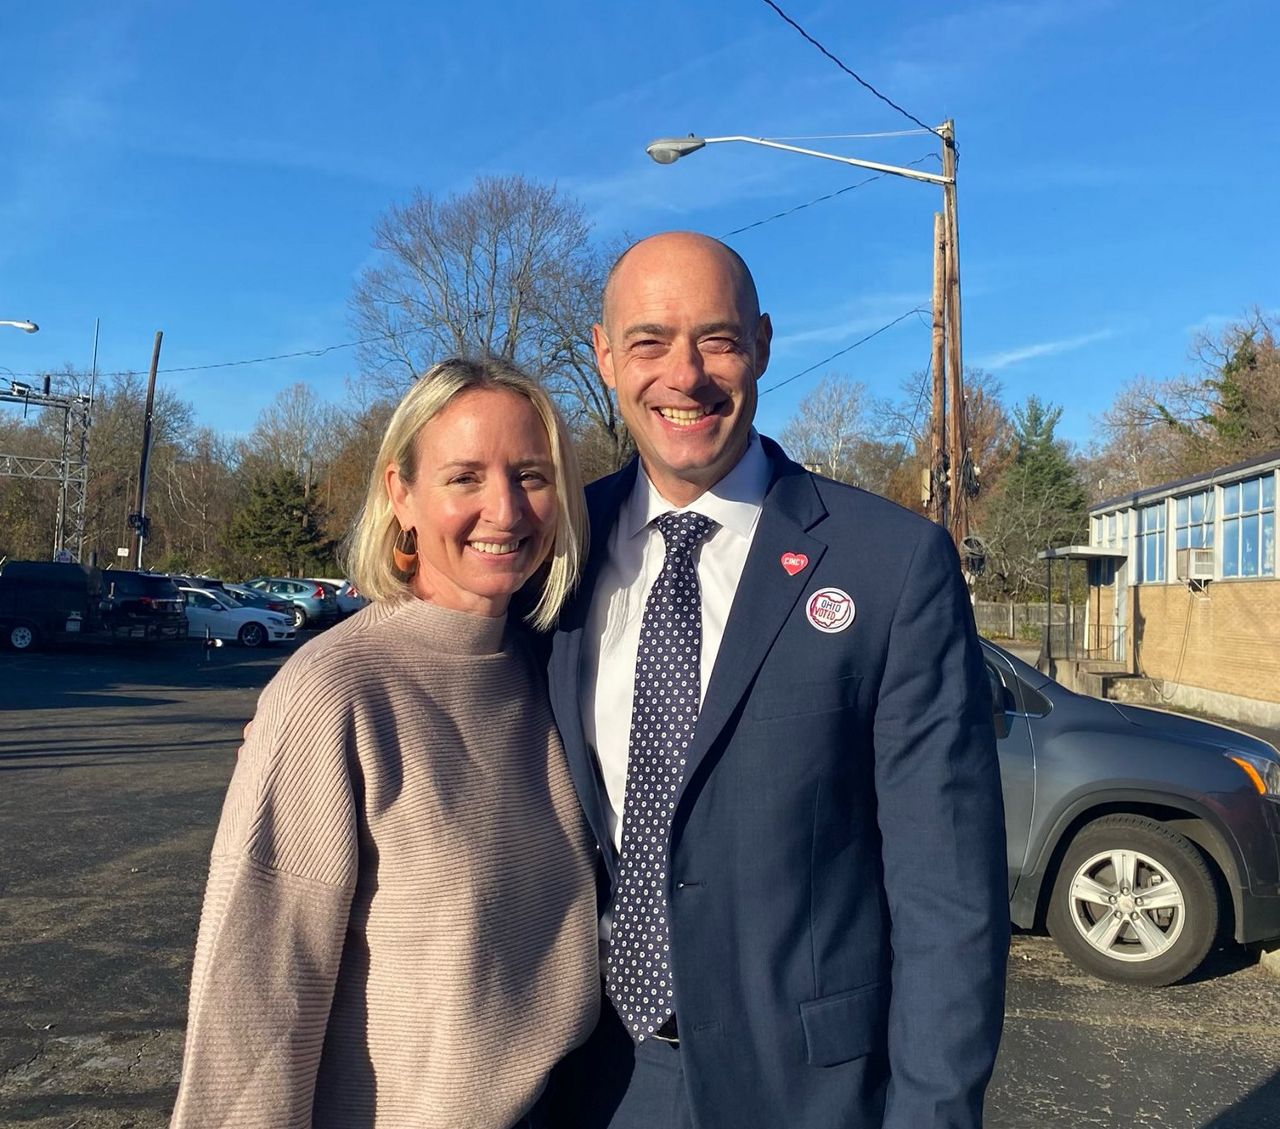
(399, 929)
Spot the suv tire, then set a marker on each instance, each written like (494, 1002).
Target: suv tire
(21, 636)
(299, 617)
(1133, 902)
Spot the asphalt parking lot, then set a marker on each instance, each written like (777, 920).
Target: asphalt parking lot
(112, 768)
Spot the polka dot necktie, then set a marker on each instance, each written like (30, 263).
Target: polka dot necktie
(664, 710)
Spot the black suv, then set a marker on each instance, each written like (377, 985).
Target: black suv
(142, 605)
(49, 602)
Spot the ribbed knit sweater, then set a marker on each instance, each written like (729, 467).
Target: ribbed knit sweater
(399, 928)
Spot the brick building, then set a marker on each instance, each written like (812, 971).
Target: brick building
(1184, 589)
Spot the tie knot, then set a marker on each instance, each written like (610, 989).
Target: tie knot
(683, 532)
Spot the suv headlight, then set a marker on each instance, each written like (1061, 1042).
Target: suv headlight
(1263, 772)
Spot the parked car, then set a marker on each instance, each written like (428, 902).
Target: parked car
(214, 614)
(348, 596)
(51, 602)
(186, 580)
(252, 598)
(1138, 837)
(313, 604)
(142, 605)
(47, 602)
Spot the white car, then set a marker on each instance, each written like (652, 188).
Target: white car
(216, 615)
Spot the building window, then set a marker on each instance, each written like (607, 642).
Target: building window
(1151, 547)
(1249, 527)
(1193, 519)
(1095, 530)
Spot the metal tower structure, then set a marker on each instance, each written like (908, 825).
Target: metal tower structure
(70, 469)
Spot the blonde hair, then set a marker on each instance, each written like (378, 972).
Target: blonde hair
(368, 548)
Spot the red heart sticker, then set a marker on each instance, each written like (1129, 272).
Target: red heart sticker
(794, 562)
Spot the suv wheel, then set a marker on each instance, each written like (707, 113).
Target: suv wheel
(253, 635)
(21, 636)
(299, 617)
(1133, 902)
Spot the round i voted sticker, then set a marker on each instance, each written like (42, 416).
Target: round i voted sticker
(830, 610)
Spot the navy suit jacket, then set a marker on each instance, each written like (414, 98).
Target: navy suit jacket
(839, 908)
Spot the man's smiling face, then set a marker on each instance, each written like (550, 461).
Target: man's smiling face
(683, 345)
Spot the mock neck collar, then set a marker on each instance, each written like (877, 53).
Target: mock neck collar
(453, 632)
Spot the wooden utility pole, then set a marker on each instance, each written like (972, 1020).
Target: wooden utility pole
(936, 489)
(139, 519)
(957, 445)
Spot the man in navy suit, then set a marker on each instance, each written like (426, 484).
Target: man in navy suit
(806, 915)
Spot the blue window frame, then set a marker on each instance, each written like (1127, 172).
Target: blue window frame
(1249, 527)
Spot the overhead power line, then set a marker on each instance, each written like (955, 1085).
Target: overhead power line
(853, 74)
(828, 196)
(846, 349)
(319, 351)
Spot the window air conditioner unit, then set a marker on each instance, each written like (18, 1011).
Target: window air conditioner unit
(1195, 564)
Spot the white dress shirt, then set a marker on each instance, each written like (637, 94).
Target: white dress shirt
(635, 556)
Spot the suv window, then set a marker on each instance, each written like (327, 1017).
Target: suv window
(133, 585)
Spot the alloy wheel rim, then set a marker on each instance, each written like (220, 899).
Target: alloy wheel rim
(1127, 906)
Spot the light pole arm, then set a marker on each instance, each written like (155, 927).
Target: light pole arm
(25, 326)
(667, 150)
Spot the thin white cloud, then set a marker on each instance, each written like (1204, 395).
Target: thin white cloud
(847, 321)
(997, 361)
(1213, 324)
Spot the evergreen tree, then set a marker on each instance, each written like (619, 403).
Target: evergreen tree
(1040, 500)
(278, 529)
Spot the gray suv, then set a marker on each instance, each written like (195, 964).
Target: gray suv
(313, 604)
(1137, 836)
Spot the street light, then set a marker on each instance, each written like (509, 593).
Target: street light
(25, 326)
(948, 432)
(668, 150)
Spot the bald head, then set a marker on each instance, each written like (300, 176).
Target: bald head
(683, 345)
(658, 252)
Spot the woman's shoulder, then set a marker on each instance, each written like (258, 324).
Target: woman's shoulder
(339, 654)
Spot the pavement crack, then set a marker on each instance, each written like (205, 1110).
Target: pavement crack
(22, 1065)
(137, 1059)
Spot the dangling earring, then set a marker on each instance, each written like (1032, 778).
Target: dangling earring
(404, 554)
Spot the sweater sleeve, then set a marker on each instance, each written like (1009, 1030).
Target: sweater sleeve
(281, 880)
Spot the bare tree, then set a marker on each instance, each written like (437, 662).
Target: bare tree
(570, 375)
(505, 269)
(200, 496)
(466, 275)
(832, 432)
(297, 431)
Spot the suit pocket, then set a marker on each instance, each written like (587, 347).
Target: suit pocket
(847, 1025)
(793, 699)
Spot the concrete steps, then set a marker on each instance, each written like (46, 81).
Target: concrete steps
(1132, 689)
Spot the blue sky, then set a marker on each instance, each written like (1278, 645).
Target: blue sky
(215, 170)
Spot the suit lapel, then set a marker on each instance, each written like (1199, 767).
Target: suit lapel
(604, 499)
(765, 597)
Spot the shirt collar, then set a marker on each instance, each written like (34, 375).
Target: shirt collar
(733, 503)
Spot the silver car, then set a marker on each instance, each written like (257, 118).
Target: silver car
(313, 604)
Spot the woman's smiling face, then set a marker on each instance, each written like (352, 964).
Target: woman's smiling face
(483, 501)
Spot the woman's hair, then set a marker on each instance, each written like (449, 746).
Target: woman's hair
(368, 547)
